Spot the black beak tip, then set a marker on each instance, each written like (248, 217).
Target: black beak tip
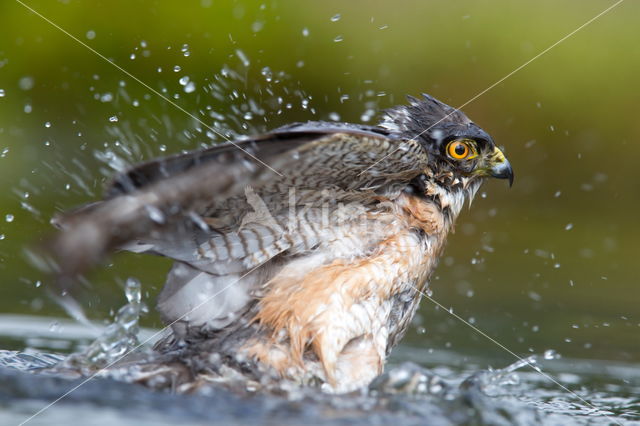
(503, 171)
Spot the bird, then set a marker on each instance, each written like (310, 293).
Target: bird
(302, 252)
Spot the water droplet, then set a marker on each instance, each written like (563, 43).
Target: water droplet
(367, 115)
(185, 50)
(90, 35)
(107, 97)
(155, 214)
(28, 108)
(305, 32)
(266, 72)
(184, 80)
(535, 296)
(336, 17)
(132, 290)
(177, 68)
(9, 218)
(338, 39)
(243, 58)
(437, 134)
(551, 354)
(2, 237)
(47, 124)
(190, 87)
(132, 56)
(334, 116)
(586, 187)
(1, 93)
(257, 26)
(26, 83)
(113, 119)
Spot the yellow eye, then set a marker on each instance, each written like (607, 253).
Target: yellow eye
(458, 150)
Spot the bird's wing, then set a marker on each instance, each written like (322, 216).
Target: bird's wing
(157, 195)
(259, 150)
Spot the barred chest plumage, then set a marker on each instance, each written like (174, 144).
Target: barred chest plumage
(343, 297)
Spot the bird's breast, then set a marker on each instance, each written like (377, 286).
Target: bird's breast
(356, 293)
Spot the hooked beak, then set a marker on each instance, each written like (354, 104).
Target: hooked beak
(501, 167)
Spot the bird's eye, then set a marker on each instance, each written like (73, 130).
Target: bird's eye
(459, 150)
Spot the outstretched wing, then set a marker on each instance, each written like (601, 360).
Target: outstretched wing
(149, 202)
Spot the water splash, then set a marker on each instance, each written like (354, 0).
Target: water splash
(492, 382)
(406, 393)
(120, 337)
(72, 308)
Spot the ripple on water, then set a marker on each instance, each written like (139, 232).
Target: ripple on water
(438, 389)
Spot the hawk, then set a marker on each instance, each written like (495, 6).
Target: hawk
(302, 252)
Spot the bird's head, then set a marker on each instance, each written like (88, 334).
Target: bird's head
(458, 147)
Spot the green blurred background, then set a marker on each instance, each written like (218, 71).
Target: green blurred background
(550, 263)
